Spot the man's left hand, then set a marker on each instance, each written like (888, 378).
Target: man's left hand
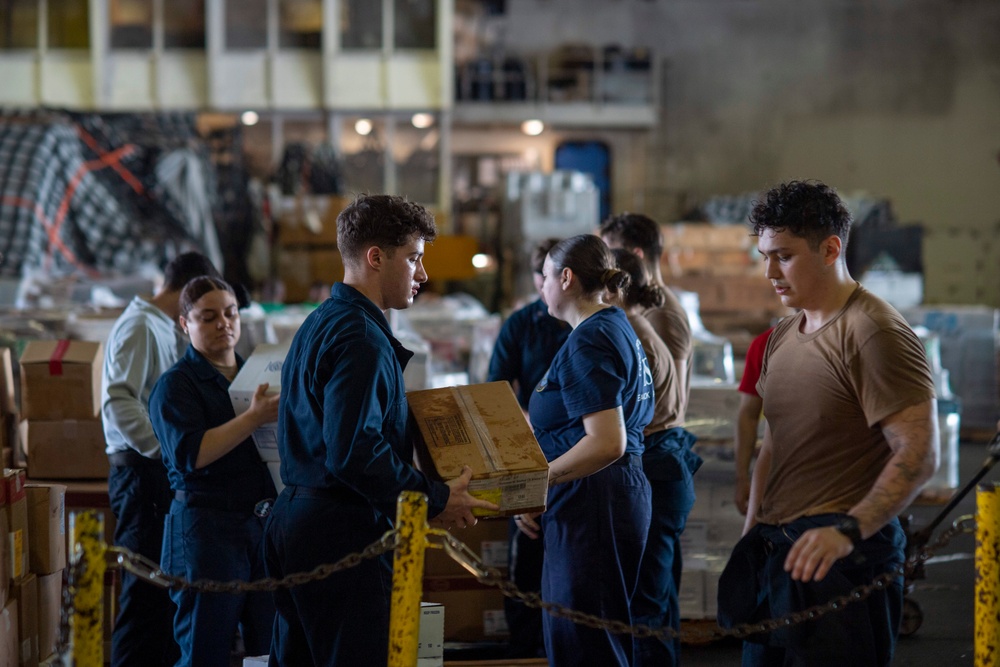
(815, 552)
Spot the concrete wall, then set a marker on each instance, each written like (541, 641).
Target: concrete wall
(897, 99)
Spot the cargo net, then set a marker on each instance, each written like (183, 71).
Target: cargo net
(149, 571)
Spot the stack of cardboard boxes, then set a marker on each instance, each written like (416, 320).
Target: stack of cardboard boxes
(720, 263)
(32, 523)
(308, 261)
(8, 409)
(61, 431)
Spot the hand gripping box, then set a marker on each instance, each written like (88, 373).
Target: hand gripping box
(482, 426)
(263, 366)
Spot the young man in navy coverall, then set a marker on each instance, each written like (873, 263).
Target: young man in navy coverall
(344, 452)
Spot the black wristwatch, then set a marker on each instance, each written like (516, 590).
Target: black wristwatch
(848, 525)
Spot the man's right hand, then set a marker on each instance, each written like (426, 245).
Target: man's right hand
(458, 511)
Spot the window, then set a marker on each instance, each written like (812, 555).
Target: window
(18, 24)
(131, 24)
(361, 24)
(69, 24)
(184, 24)
(300, 24)
(416, 24)
(246, 24)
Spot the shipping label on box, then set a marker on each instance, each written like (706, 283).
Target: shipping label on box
(482, 426)
(61, 379)
(262, 367)
(430, 637)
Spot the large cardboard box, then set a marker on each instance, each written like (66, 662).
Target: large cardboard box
(65, 449)
(61, 379)
(16, 509)
(25, 591)
(263, 366)
(47, 527)
(482, 426)
(8, 635)
(473, 611)
(49, 609)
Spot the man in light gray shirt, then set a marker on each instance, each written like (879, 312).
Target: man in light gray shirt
(144, 342)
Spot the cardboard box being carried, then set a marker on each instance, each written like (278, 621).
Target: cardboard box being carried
(482, 426)
(65, 449)
(61, 379)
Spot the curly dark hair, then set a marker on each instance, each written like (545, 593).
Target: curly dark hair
(386, 221)
(591, 261)
(640, 291)
(807, 209)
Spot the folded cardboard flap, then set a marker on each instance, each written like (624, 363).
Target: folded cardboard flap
(481, 426)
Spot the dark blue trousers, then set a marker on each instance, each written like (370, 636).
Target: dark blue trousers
(201, 543)
(595, 531)
(140, 497)
(669, 465)
(343, 619)
(755, 586)
(525, 557)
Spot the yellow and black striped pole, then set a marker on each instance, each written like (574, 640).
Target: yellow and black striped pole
(88, 560)
(407, 579)
(987, 609)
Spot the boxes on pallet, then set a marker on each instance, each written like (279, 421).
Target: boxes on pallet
(472, 609)
(430, 635)
(482, 426)
(488, 539)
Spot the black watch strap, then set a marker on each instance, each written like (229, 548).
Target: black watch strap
(848, 525)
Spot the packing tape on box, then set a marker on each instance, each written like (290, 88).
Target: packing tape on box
(55, 361)
(479, 424)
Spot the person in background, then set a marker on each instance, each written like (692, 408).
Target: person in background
(850, 437)
(748, 419)
(144, 342)
(345, 451)
(588, 414)
(222, 489)
(668, 459)
(527, 343)
(670, 479)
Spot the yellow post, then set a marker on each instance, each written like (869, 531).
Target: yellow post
(407, 578)
(987, 610)
(88, 549)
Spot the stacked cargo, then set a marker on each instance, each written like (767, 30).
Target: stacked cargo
(62, 434)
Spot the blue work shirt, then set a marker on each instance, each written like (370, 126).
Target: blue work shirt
(527, 343)
(602, 365)
(342, 423)
(189, 399)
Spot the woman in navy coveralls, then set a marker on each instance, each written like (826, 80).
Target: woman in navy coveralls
(588, 413)
(215, 525)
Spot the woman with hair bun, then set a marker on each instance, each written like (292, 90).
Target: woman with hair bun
(588, 413)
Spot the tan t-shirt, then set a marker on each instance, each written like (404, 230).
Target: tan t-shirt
(824, 395)
(661, 366)
(670, 322)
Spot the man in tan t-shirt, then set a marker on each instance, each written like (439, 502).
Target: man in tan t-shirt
(850, 437)
(668, 460)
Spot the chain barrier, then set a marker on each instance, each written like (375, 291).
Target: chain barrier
(149, 571)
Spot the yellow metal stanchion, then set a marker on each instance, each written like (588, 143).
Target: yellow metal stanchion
(88, 553)
(987, 608)
(407, 579)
